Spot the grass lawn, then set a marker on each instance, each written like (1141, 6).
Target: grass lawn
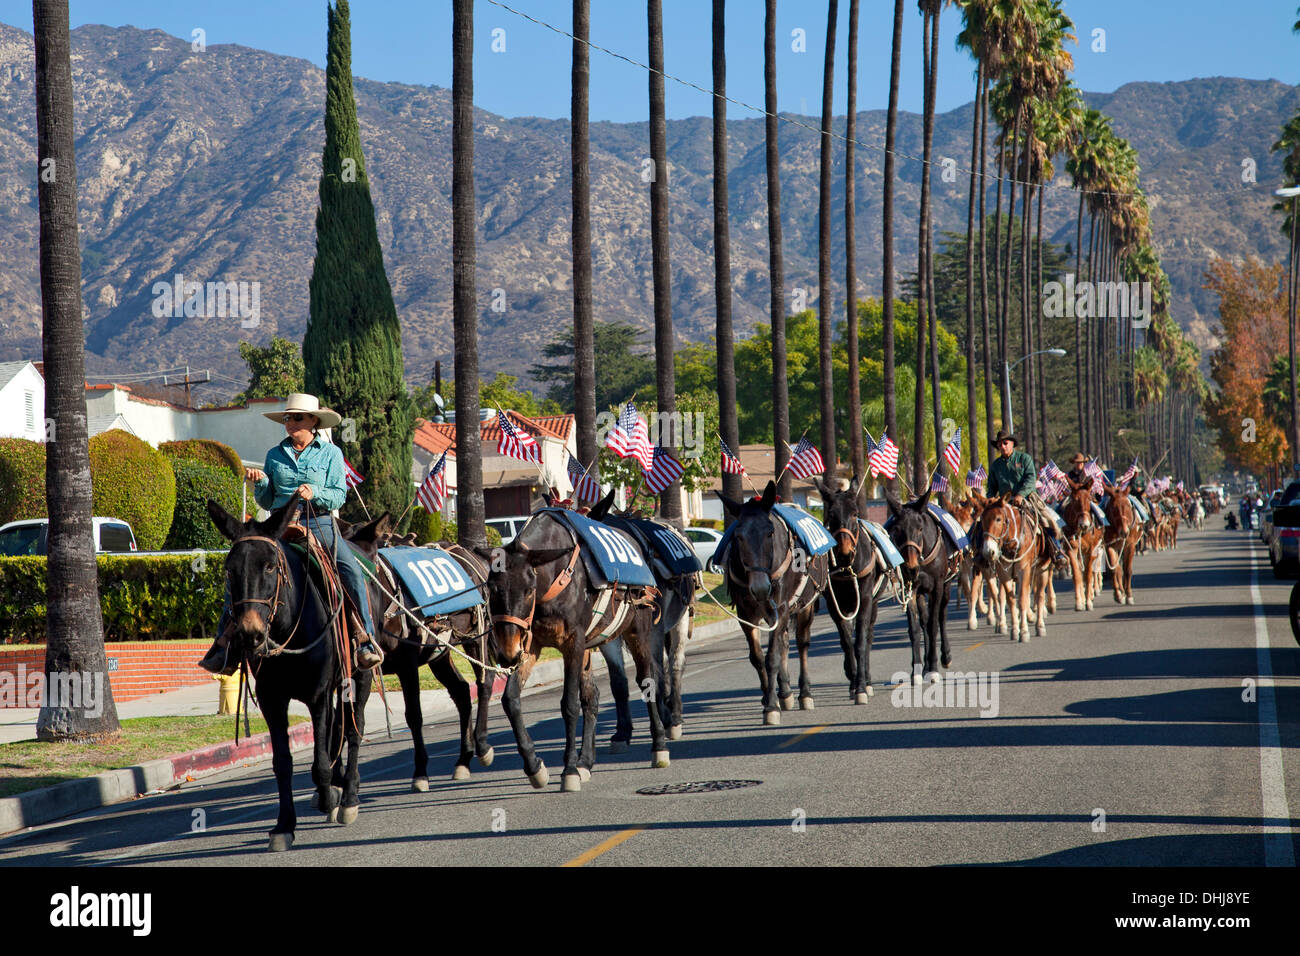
(31, 764)
(706, 612)
(429, 682)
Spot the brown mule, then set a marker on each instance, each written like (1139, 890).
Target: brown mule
(1015, 553)
(1083, 533)
(1121, 540)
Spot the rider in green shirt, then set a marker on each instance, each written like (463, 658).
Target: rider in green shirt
(1013, 473)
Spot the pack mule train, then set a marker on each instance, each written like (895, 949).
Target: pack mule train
(285, 624)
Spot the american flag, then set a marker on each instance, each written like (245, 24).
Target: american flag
(585, 487)
(1179, 486)
(667, 469)
(1130, 474)
(952, 454)
(516, 443)
(939, 484)
(731, 465)
(882, 457)
(806, 460)
(1093, 471)
(630, 436)
(1053, 482)
(433, 490)
(351, 477)
(975, 477)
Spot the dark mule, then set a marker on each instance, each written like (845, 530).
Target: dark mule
(406, 649)
(770, 579)
(541, 596)
(673, 619)
(927, 555)
(857, 570)
(286, 631)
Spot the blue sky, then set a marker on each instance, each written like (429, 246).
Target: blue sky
(1144, 40)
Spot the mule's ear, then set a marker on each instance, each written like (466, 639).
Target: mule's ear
(600, 510)
(547, 555)
(485, 551)
(370, 532)
(895, 508)
(827, 492)
(274, 526)
(924, 500)
(225, 521)
(732, 506)
(1109, 488)
(769, 496)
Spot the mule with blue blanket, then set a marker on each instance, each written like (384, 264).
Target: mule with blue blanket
(571, 583)
(775, 563)
(417, 593)
(858, 569)
(928, 550)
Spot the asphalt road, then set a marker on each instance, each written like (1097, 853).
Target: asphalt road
(1124, 736)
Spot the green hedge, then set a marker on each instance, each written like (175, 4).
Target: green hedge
(134, 482)
(143, 598)
(22, 480)
(196, 482)
(205, 451)
(714, 523)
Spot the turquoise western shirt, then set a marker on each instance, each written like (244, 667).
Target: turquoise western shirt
(320, 465)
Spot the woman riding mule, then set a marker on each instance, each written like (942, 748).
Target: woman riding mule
(306, 465)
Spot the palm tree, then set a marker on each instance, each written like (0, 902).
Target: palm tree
(1290, 143)
(850, 252)
(469, 461)
(584, 343)
(971, 37)
(776, 262)
(1082, 165)
(726, 344)
(824, 301)
(670, 501)
(74, 629)
(887, 239)
(930, 11)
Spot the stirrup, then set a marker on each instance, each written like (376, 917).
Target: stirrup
(368, 654)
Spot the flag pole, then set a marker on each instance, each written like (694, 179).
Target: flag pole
(742, 467)
(540, 470)
(357, 491)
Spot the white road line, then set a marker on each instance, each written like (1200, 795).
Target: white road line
(1278, 848)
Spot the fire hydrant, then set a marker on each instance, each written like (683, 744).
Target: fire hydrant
(228, 696)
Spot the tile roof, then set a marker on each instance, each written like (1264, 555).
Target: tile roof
(437, 437)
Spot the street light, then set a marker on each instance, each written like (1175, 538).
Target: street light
(1006, 381)
(1291, 192)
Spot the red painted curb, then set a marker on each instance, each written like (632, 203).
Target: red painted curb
(220, 756)
(498, 686)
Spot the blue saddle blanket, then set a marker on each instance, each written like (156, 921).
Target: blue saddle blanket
(812, 534)
(433, 580)
(880, 538)
(1100, 514)
(669, 546)
(612, 556)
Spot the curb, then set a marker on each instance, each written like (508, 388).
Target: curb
(37, 807)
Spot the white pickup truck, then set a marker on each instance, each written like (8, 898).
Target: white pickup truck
(112, 535)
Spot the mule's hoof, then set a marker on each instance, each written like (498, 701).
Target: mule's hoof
(485, 759)
(675, 732)
(584, 774)
(460, 773)
(935, 677)
(772, 718)
(1041, 631)
(972, 624)
(419, 784)
(570, 783)
(659, 760)
(348, 815)
(619, 746)
(332, 816)
(1129, 600)
(860, 698)
(1090, 604)
(541, 778)
(280, 842)
(1119, 598)
(787, 703)
(916, 679)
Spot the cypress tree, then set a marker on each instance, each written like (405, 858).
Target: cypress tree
(352, 352)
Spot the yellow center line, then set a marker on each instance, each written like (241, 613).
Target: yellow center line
(973, 646)
(798, 737)
(604, 847)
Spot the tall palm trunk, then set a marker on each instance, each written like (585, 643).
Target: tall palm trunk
(971, 409)
(1026, 376)
(1038, 322)
(776, 262)
(726, 343)
(932, 81)
(1078, 345)
(977, 453)
(584, 345)
(1089, 346)
(670, 500)
(469, 461)
(825, 303)
(922, 286)
(1005, 319)
(887, 237)
(74, 630)
(850, 253)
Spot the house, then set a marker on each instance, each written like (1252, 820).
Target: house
(22, 401)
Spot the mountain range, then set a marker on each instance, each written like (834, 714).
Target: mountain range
(204, 164)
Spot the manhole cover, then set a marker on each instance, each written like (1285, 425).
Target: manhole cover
(697, 786)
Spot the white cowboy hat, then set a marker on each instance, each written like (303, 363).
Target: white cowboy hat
(306, 404)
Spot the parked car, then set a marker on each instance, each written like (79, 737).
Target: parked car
(1284, 540)
(705, 542)
(112, 535)
(508, 527)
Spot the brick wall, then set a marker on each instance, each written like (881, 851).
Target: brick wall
(135, 668)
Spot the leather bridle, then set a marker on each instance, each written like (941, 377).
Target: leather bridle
(562, 580)
(773, 576)
(281, 576)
